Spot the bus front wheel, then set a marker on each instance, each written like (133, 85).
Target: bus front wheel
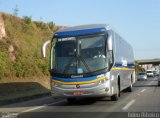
(117, 95)
(71, 100)
(114, 97)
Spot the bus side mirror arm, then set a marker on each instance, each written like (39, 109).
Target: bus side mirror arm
(43, 48)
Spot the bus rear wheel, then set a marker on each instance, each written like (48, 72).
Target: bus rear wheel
(129, 89)
(158, 83)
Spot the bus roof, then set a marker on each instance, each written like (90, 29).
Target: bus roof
(81, 30)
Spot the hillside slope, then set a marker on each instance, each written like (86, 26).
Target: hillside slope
(20, 43)
(23, 72)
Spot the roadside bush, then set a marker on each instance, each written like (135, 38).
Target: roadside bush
(27, 19)
(3, 64)
(51, 25)
(43, 65)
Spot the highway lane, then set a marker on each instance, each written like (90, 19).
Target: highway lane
(144, 98)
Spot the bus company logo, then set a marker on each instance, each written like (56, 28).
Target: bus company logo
(77, 86)
(76, 76)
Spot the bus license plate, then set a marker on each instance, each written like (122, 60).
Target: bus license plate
(78, 93)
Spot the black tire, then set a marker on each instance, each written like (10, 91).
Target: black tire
(119, 88)
(158, 83)
(71, 100)
(116, 96)
(129, 89)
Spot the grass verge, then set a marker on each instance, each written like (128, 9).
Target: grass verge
(19, 89)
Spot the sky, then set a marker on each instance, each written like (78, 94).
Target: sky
(137, 21)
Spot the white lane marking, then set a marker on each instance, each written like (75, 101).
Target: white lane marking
(128, 105)
(40, 107)
(143, 90)
(32, 109)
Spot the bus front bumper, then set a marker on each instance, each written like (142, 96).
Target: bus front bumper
(90, 90)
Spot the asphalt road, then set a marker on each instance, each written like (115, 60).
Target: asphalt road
(143, 101)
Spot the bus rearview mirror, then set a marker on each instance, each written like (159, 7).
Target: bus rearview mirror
(43, 48)
(109, 43)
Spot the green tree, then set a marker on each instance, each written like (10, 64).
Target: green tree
(27, 19)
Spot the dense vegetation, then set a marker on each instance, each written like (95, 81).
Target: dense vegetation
(20, 50)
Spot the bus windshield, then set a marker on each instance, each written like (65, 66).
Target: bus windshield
(79, 55)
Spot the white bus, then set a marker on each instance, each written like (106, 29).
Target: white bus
(89, 61)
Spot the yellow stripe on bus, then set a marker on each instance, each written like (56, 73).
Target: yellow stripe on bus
(84, 82)
(122, 69)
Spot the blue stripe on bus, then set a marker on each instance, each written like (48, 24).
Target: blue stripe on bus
(61, 34)
(128, 65)
(131, 65)
(74, 79)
